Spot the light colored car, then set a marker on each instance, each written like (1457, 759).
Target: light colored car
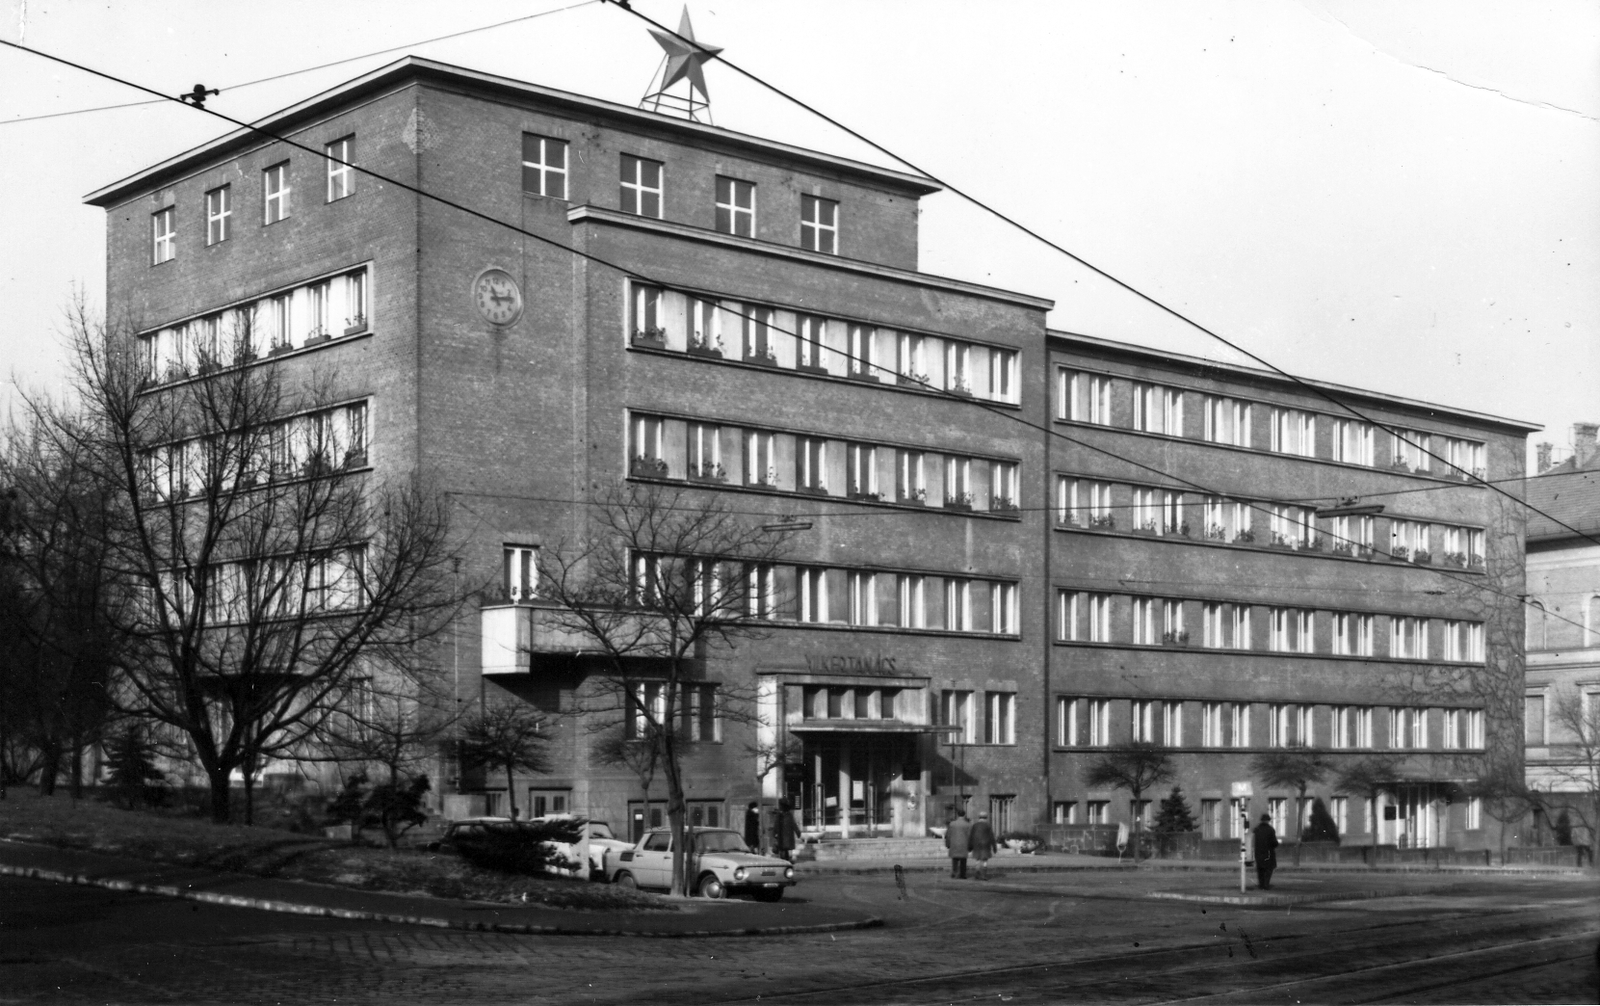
(466, 828)
(719, 863)
(599, 839)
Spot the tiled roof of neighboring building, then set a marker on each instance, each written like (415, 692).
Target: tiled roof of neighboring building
(1569, 494)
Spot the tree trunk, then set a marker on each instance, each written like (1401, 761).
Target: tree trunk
(221, 811)
(1299, 826)
(77, 767)
(49, 765)
(511, 789)
(250, 793)
(680, 881)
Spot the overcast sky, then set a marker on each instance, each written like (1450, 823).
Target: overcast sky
(1401, 196)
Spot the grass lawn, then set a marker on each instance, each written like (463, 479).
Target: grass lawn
(172, 837)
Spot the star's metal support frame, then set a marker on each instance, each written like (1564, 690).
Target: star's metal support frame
(689, 107)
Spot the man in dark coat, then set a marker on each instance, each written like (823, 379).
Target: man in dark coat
(982, 842)
(752, 826)
(1266, 849)
(958, 839)
(783, 837)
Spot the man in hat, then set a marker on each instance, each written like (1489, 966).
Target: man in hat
(1266, 845)
(957, 838)
(981, 841)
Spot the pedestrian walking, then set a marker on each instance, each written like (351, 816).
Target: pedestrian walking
(958, 839)
(752, 826)
(1266, 846)
(783, 832)
(982, 843)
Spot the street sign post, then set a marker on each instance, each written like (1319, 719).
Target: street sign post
(1242, 793)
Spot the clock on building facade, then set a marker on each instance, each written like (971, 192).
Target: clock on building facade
(498, 296)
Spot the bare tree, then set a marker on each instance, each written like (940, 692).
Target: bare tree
(1369, 778)
(639, 755)
(1577, 762)
(506, 735)
(1135, 767)
(1503, 789)
(665, 578)
(1293, 768)
(270, 565)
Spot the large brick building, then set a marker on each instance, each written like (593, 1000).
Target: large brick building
(1016, 556)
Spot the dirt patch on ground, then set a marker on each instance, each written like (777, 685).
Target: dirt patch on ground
(268, 852)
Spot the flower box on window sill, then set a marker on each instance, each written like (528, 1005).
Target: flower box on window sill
(811, 368)
(650, 338)
(811, 490)
(1176, 530)
(1344, 549)
(1245, 538)
(958, 505)
(1001, 504)
(708, 352)
(1314, 545)
(1422, 557)
(355, 459)
(208, 367)
(648, 468)
(709, 473)
(1400, 554)
(1106, 523)
(763, 360)
(863, 375)
(356, 326)
(912, 380)
(960, 389)
(918, 497)
(318, 339)
(280, 349)
(1455, 559)
(867, 497)
(1145, 530)
(1476, 562)
(1174, 639)
(1400, 464)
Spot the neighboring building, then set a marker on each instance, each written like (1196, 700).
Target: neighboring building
(1563, 630)
(975, 573)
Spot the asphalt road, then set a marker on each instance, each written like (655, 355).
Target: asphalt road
(1042, 939)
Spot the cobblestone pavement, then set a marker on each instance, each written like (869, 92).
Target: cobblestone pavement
(1035, 939)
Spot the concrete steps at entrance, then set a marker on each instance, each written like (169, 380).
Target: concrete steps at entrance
(877, 848)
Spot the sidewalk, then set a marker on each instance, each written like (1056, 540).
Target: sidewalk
(1062, 861)
(695, 917)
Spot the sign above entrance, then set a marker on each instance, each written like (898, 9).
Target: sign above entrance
(1241, 791)
(850, 663)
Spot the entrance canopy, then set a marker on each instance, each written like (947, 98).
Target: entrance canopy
(866, 727)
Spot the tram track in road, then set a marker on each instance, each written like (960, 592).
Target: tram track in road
(1225, 967)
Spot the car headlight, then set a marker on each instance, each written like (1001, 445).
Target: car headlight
(739, 874)
(788, 873)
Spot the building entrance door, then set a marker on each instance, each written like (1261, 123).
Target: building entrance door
(860, 785)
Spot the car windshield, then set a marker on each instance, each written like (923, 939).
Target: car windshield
(599, 829)
(719, 841)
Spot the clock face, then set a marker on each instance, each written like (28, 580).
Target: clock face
(498, 297)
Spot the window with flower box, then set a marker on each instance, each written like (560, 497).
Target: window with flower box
(1004, 493)
(1410, 540)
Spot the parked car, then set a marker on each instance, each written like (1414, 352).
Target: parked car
(718, 863)
(466, 828)
(601, 842)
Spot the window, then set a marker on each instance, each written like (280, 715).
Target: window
(1474, 813)
(1172, 724)
(1227, 421)
(909, 364)
(1293, 526)
(646, 319)
(811, 465)
(1144, 624)
(705, 453)
(1099, 618)
(1362, 720)
(1000, 718)
(758, 348)
(1452, 729)
(1352, 442)
(957, 482)
(705, 327)
(1291, 630)
(544, 166)
(1294, 432)
(1099, 716)
(1210, 818)
(863, 352)
(1352, 634)
(863, 599)
(1277, 807)
(219, 214)
(1064, 812)
(1097, 811)
(1409, 449)
(819, 224)
(736, 207)
(958, 367)
(649, 702)
(1067, 722)
(1001, 811)
(1003, 491)
(1211, 735)
(1003, 375)
(1157, 409)
(813, 594)
(1142, 721)
(1409, 539)
(1227, 626)
(1237, 822)
(1474, 729)
(641, 186)
(1351, 535)
(958, 605)
(1085, 398)
(275, 192)
(648, 456)
(1306, 727)
(1067, 605)
(701, 717)
(861, 471)
(1226, 520)
(1241, 724)
(163, 245)
(912, 592)
(355, 301)
(1465, 457)
(1003, 608)
(1084, 503)
(760, 468)
(1533, 719)
(761, 586)
(1408, 638)
(1463, 546)
(958, 712)
(1280, 721)
(1463, 641)
(1172, 630)
(1340, 810)
(910, 486)
(341, 176)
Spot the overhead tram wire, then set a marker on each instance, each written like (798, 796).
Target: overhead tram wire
(1130, 288)
(589, 256)
(310, 69)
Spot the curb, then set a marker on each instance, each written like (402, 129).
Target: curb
(1209, 866)
(1289, 900)
(294, 908)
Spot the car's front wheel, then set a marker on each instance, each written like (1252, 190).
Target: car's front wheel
(710, 887)
(625, 879)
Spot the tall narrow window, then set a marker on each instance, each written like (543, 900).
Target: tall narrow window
(219, 214)
(1142, 721)
(1157, 409)
(1099, 618)
(1411, 449)
(958, 367)
(1144, 621)
(544, 166)
(819, 224)
(1000, 718)
(1067, 605)
(1003, 608)
(1294, 432)
(958, 605)
(1211, 725)
(811, 341)
(1172, 630)
(1241, 724)
(861, 464)
(1003, 486)
(341, 176)
(1003, 375)
(162, 226)
(1172, 724)
(705, 453)
(521, 571)
(863, 356)
(813, 594)
(647, 313)
(1352, 442)
(648, 451)
(811, 465)
(957, 482)
(1099, 722)
(957, 711)
(736, 207)
(1227, 421)
(913, 601)
(1067, 722)
(863, 599)
(275, 193)
(759, 466)
(910, 486)
(641, 186)
(1085, 398)
(355, 301)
